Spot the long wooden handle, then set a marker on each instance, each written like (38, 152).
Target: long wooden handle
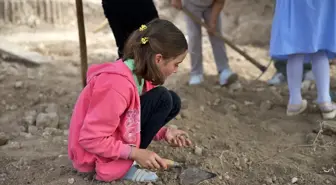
(82, 40)
(248, 57)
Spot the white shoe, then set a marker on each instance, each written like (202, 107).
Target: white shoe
(196, 79)
(277, 79)
(227, 77)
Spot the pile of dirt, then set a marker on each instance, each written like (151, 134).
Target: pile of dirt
(240, 132)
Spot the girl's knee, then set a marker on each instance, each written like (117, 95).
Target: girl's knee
(176, 100)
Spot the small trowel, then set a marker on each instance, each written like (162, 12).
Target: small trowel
(191, 175)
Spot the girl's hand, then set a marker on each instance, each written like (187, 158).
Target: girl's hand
(148, 159)
(177, 138)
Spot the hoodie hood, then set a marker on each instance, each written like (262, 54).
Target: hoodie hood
(117, 67)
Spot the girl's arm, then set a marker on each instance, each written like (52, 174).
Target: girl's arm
(101, 121)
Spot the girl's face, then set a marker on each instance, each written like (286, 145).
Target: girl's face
(169, 66)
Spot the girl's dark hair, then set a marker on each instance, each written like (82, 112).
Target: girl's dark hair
(163, 38)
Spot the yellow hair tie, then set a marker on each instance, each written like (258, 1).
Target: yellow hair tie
(143, 27)
(144, 40)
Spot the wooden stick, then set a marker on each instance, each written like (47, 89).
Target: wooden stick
(82, 40)
(252, 60)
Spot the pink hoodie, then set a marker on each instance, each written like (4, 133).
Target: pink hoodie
(106, 121)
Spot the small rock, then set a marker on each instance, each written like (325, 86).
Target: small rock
(235, 86)
(18, 84)
(149, 183)
(198, 150)
(217, 101)
(30, 117)
(185, 114)
(44, 120)
(178, 117)
(66, 132)
(202, 108)
(13, 145)
(59, 140)
(184, 104)
(53, 131)
(71, 180)
(32, 129)
(233, 107)
(294, 180)
(259, 89)
(274, 178)
(173, 126)
(248, 103)
(2, 77)
(26, 135)
(3, 139)
(266, 105)
(310, 138)
(52, 108)
(197, 126)
(226, 176)
(269, 180)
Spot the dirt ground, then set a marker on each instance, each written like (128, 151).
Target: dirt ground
(242, 130)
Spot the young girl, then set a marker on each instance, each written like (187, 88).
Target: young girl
(120, 112)
(210, 11)
(301, 29)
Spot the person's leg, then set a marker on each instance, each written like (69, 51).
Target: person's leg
(219, 51)
(158, 107)
(321, 70)
(194, 43)
(296, 104)
(280, 73)
(124, 19)
(117, 26)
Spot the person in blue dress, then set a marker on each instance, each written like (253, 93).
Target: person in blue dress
(301, 29)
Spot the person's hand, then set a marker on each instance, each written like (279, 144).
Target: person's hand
(148, 159)
(177, 4)
(212, 25)
(177, 138)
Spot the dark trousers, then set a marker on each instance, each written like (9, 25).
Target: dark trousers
(158, 107)
(280, 67)
(125, 16)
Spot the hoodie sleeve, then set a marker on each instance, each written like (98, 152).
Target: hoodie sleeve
(100, 123)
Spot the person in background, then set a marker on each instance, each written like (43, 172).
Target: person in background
(125, 16)
(301, 29)
(124, 107)
(209, 10)
(281, 74)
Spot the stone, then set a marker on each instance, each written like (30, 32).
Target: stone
(32, 129)
(3, 139)
(71, 180)
(198, 150)
(44, 120)
(30, 117)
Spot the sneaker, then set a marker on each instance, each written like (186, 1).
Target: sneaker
(277, 79)
(293, 110)
(227, 77)
(140, 175)
(328, 110)
(196, 79)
